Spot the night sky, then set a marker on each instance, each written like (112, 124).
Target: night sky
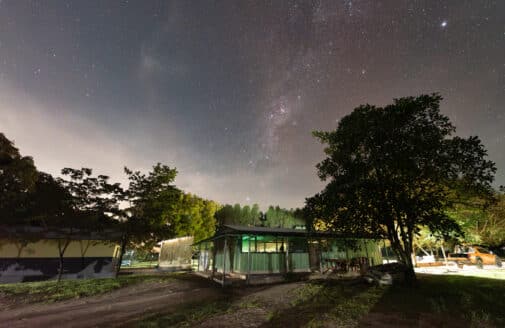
(229, 91)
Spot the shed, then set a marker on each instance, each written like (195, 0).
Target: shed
(176, 254)
(265, 254)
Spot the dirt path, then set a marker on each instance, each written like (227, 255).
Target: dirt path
(112, 309)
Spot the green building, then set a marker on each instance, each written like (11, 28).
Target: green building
(261, 254)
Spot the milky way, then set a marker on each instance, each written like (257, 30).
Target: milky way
(229, 91)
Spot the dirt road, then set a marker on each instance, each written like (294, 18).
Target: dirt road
(112, 309)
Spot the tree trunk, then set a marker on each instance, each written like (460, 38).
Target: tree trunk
(61, 252)
(84, 250)
(121, 253)
(403, 250)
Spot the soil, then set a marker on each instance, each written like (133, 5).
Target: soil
(113, 309)
(253, 307)
(269, 298)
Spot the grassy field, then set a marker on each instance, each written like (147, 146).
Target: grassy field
(435, 301)
(52, 291)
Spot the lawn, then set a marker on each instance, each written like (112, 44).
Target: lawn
(435, 301)
(53, 291)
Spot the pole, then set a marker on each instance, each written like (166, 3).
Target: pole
(248, 259)
(287, 254)
(199, 257)
(224, 261)
(386, 249)
(320, 255)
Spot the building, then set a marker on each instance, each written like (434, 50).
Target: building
(260, 254)
(176, 254)
(32, 254)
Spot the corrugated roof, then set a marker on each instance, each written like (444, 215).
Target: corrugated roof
(231, 229)
(263, 230)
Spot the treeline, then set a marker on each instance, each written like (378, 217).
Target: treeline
(149, 209)
(252, 216)
(481, 223)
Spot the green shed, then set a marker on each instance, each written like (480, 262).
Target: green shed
(266, 254)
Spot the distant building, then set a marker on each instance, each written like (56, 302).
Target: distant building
(31, 254)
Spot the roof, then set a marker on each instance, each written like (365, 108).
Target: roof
(231, 229)
(53, 233)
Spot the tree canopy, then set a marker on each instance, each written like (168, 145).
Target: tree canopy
(250, 216)
(391, 170)
(481, 224)
(18, 176)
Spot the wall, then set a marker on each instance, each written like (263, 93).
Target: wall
(40, 260)
(175, 254)
(261, 262)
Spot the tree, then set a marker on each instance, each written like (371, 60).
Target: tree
(153, 206)
(255, 214)
(194, 217)
(391, 170)
(18, 176)
(224, 215)
(482, 225)
(80, 203)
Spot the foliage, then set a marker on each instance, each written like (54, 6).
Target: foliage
(153, 203)
(391, 171)
(250, 216)
(18, 176)
(82, 204)
(235, 214)
(194, 217)
(482, 225)
(283, 218)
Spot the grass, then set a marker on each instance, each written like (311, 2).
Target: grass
(442, 300)
(316, 304)
(186, 315)
(189, 314)
(141, 264)
(448, 300)
(474, 300)
(52, 291)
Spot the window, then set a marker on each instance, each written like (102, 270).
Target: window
(263, 244)
(482, 250)
(298, 245)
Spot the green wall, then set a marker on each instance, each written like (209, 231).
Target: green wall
(263, 262)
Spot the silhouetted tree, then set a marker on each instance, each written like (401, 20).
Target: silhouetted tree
(18, 176)
(391, 170)
(153, 204)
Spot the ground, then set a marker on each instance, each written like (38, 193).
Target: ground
(190, 301)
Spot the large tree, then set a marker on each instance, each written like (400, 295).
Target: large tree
(18, 176)
(77, 203)
(394, 169)
(153, 205)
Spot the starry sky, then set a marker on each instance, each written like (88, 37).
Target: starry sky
(229, 91)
